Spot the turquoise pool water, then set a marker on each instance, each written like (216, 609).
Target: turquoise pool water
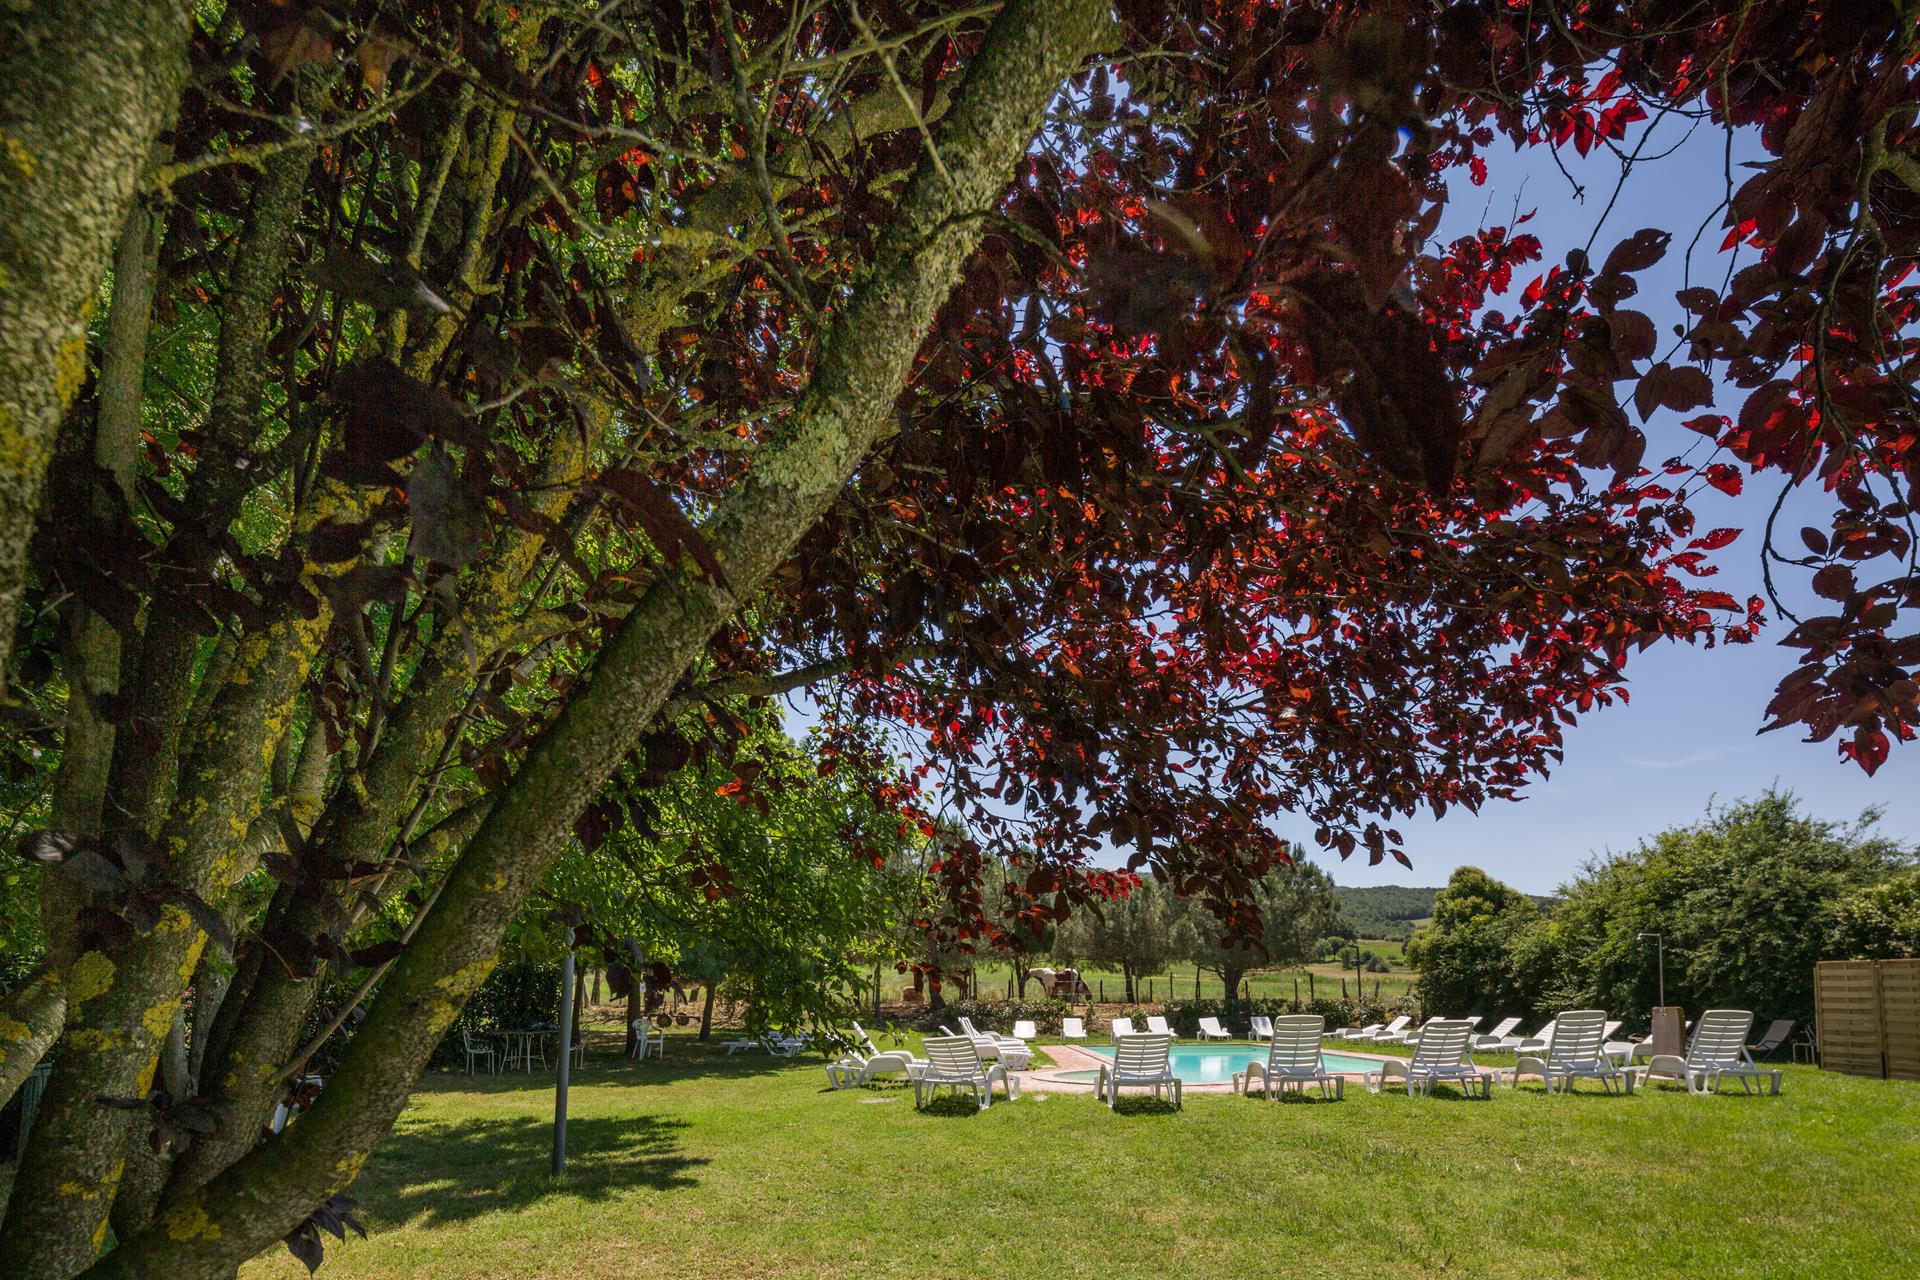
(1215, 1064)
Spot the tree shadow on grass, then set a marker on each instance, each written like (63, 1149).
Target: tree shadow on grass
(437, 1173)
(1144, 1105)
(606, 1065)
(959, 1105)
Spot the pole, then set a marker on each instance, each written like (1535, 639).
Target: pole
(566, 1060)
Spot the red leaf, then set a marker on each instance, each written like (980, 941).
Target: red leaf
(1715, 539)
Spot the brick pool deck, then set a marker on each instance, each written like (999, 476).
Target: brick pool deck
(1068, 1058)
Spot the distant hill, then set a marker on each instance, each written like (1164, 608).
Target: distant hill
(1386, 911)
(1392, 911)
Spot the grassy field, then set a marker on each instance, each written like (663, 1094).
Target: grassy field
(1272, 984)
(708, 1166)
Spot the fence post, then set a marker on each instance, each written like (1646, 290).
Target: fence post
(1149, 990)
(1343, 989)
(1103, 991)
(1296, 989)
(1310, 994)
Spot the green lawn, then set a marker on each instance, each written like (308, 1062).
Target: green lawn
(745, 1167)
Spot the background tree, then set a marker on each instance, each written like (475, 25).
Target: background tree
(1463, 953)
(1747, 900)
(1298, 907)
(1138, 934)
(1880, 921)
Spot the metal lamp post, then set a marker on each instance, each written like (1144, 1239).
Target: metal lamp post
(1660, 958)
(566, 1059)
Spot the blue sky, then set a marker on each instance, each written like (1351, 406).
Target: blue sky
(1689, 732)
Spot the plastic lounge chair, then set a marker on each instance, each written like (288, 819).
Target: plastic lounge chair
(1356, 1033)
(954, 1062)
(648, 1039)
(1157, 1026)
(1210, 1029)
(1384, 1035)
(1718, 1050)
(863, 1068)
(1440, 1058)
(995, 1048)
(782, 1045)
(480, 1050)
(1535, 1043)
(1073, 1029)
(1025, 1030)
(1140, 1061)
(1578, 1050)
(1293, 1058)
(1496, 1037)
(1413, 1036)
(1260, 1027)
(1778, 1033)
(1122, 1027)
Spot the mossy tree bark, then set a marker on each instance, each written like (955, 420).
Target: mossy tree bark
(1032, 46)
(85, 88)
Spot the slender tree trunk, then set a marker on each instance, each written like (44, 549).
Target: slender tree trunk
(30, 1019)
(91, 648)
(706, 1012)
(85, 88)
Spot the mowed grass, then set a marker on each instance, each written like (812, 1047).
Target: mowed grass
(709, 1166)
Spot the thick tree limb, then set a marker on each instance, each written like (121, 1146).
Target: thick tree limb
(865, 361)
(85, 88)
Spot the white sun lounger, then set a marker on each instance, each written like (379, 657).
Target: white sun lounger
(1210, 1029)
(1356, 1033)
(1496, 1037)
(1439, 1058)
(1718, 1050)
(1122, 1027)
(954, 1062)
(1577, 1051)
(1293, 1058)
(1138, 1061)
(1025, 1030)
(1073, 1029)
(1384, 1035)
(1157, 1025)
(1260, 1027)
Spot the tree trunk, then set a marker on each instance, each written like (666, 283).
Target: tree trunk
(865, 359)
(30, 1019)
(85, 88)
(90, 646)
(706, 1012)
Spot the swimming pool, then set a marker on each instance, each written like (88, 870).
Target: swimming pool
(1214, 1064)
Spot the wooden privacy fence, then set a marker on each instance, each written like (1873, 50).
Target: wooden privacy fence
(1867, 1014)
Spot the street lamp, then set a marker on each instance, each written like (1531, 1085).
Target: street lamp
(1660, 953)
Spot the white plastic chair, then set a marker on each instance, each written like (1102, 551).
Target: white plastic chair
(954, 1062)
(1293, 1058)
(1025, 1030)
(1073, 1029)
(1210, 1029)
(1718, 1050)
(1578, 1051)
(1260, 1027)
(648, 1039)
(1440, 1057)
(1123, 1027)
(1157, 1026)
(1140, 1061)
